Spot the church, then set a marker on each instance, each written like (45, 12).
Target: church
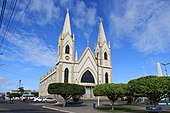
(90, 69)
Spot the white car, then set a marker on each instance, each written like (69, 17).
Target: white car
(38, 99)
(48, 99)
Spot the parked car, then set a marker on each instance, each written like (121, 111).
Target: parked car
(38, 99)
(16, 98)
(48, 99)
(27, 97)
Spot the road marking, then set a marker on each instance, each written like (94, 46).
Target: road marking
(57, 109)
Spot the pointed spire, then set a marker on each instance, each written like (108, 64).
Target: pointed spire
(66, 27)
(76, 57)
(101, 33)
(159, 69)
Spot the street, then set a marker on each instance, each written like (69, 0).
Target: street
(24, 107)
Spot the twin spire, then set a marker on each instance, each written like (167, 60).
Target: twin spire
(67, 29)
(101, 33)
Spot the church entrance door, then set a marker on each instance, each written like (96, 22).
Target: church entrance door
(88, 92)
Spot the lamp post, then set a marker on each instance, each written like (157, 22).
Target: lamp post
(165, 64)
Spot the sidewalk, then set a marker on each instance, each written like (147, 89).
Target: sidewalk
(86, 107)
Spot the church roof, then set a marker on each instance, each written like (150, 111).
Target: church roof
(85, 53)
(101, 33)
(66, 27)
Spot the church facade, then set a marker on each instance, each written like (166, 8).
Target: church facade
(89, 70)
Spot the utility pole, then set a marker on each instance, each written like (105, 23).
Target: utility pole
(165, 64)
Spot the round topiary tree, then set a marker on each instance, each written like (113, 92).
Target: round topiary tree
(112, 91)
(152, 87)
(66, 90)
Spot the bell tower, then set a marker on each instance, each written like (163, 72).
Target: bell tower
(103, 56)
(65, 56)
(66, 42)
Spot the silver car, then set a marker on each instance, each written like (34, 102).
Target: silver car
(48, 99)
(38, 99)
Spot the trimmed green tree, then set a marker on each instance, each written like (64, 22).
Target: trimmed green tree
(112, 91)
(35, 94)
(152, 87)
(11, 95)
(66, 90)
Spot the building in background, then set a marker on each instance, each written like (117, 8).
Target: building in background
(18, 91)
(159, 69)
(89, 70)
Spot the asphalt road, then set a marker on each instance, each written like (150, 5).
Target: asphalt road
(24, 107)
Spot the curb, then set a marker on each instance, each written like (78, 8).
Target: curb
(57, 109)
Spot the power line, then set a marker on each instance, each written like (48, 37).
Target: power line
(9, 11)
(8, 15)
(18, 23)
(7, 28)
(13, 17)
(2, 12)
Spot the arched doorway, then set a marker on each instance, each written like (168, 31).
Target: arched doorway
(88, 78)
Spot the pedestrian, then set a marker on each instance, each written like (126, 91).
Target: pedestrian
(11, 100)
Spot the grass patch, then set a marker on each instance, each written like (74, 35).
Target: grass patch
(116, 108)
(125, 108)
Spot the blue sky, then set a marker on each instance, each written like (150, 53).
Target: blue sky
(139, 33)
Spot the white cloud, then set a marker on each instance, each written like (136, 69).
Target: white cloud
(145, 24)
(84, 15)
(29, 48)
(66, 3)
(5, 84)
(41, 12)
(2, 80)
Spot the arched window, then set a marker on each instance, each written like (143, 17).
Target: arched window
(67, 49)
(87, 77)
(105, 56)
(66, 73)
(106, 78)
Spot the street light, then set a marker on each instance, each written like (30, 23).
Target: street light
(97, 68)
(165, 64)
(97, 76)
